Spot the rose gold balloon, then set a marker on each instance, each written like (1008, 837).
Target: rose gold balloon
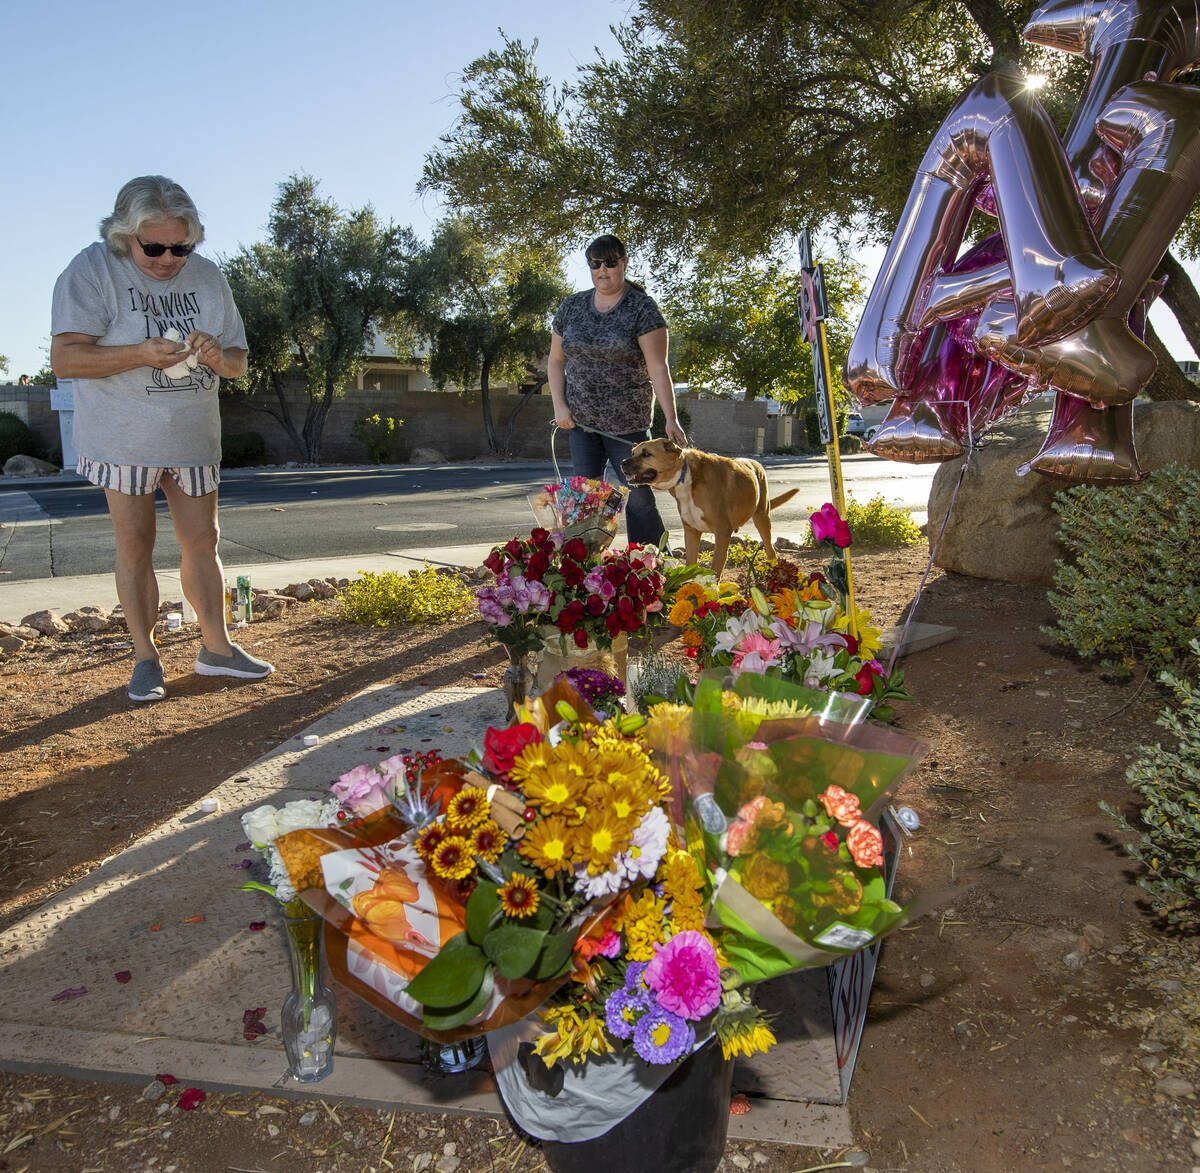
(1087, 444)
(996, 131)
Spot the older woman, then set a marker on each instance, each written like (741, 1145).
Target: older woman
(608, 364)
(147, 329)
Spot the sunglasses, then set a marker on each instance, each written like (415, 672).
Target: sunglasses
(606, 263)
(157, 250)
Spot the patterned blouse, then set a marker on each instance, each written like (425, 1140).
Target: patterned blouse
(607, 383)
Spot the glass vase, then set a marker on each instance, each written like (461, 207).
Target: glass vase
(309, 1017)
(451, 1058)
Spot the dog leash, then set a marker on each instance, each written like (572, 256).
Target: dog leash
(555, 429)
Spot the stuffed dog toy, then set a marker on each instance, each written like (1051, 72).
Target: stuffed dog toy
(716, 494)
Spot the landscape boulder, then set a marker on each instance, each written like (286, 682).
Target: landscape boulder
(87, 619)
(426, 455)
(1003, 526)
(29, 466)
(269, 605)
(47, 622)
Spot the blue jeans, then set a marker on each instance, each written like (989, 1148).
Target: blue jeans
(589, 454)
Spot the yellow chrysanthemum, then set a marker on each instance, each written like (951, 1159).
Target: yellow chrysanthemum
(519, 897)
(550, 845)
(666, 725)
(488, 840)
(680, 875)
(554, 791)
(682, 612)
(467, 808)
(764, 878)
(452, 858)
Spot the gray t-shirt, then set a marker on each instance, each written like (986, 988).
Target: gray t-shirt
(142, 416)
(607, 384)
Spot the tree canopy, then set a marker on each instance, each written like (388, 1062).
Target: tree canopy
(738, 330)
(486, 312)
(312, 298)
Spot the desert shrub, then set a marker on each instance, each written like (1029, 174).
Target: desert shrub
(377, 434)
(15, 437)
(1130, 590)
(243, 450)
(420, 596)
(1168, 842)
(877, 524)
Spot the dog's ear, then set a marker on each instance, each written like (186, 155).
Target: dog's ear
(671, 448)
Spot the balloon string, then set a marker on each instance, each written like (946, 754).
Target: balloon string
(933, 551)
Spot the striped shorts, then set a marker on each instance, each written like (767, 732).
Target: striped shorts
(137, 480)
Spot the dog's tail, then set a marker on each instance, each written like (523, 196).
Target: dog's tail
(775, 502)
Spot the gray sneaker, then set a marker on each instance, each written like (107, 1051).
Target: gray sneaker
(239, 664)
(147, 682)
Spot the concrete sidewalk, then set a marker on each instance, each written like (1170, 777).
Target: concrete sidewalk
(68, 593)
(167, 911)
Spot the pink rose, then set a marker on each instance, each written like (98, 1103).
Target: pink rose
(841, 805)
(828, 526)
(735, 840)
(685, 976)
(866, 845)
(362, 790)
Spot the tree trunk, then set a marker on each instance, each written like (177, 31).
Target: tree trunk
(526, 396)
(283, 416)
(1181, 298)
(1169, 382)
(489, 426)
(314, 422)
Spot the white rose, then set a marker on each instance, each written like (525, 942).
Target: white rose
(260, 825)
(301, 813)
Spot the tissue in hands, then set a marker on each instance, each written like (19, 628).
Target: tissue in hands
(181, 368)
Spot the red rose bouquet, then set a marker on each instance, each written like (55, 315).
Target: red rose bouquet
(546, 585)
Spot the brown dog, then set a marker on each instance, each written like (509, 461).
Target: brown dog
(715, 494)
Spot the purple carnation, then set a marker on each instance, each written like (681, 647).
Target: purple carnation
(662, 1037)
(621, 1012)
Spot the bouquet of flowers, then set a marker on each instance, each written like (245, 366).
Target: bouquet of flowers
(547, 587)
(781, 783)
(461, 901)
(582, 508)
(790, 627)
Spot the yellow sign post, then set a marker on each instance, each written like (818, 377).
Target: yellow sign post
(813, 311)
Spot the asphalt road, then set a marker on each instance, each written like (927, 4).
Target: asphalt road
(50, 529)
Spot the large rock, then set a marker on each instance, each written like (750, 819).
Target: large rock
(47, 622)
(1002, 525)
(87, 619)
(29, 466)
(426, 456)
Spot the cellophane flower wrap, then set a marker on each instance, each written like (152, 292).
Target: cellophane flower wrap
(782, 784)
(784, 624)
(558, 593)
(583, 508)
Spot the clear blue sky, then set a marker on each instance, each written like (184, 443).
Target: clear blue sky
(229, 99)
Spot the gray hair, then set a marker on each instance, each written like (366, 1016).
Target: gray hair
(148, 200)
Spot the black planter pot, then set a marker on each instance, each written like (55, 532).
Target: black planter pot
(680, 1128)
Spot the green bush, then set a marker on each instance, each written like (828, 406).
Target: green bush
(15, 437)
(1168, 843)
(420, 596)
(1131, 590)
(876, 524)
(243, 450)
(377, 434)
